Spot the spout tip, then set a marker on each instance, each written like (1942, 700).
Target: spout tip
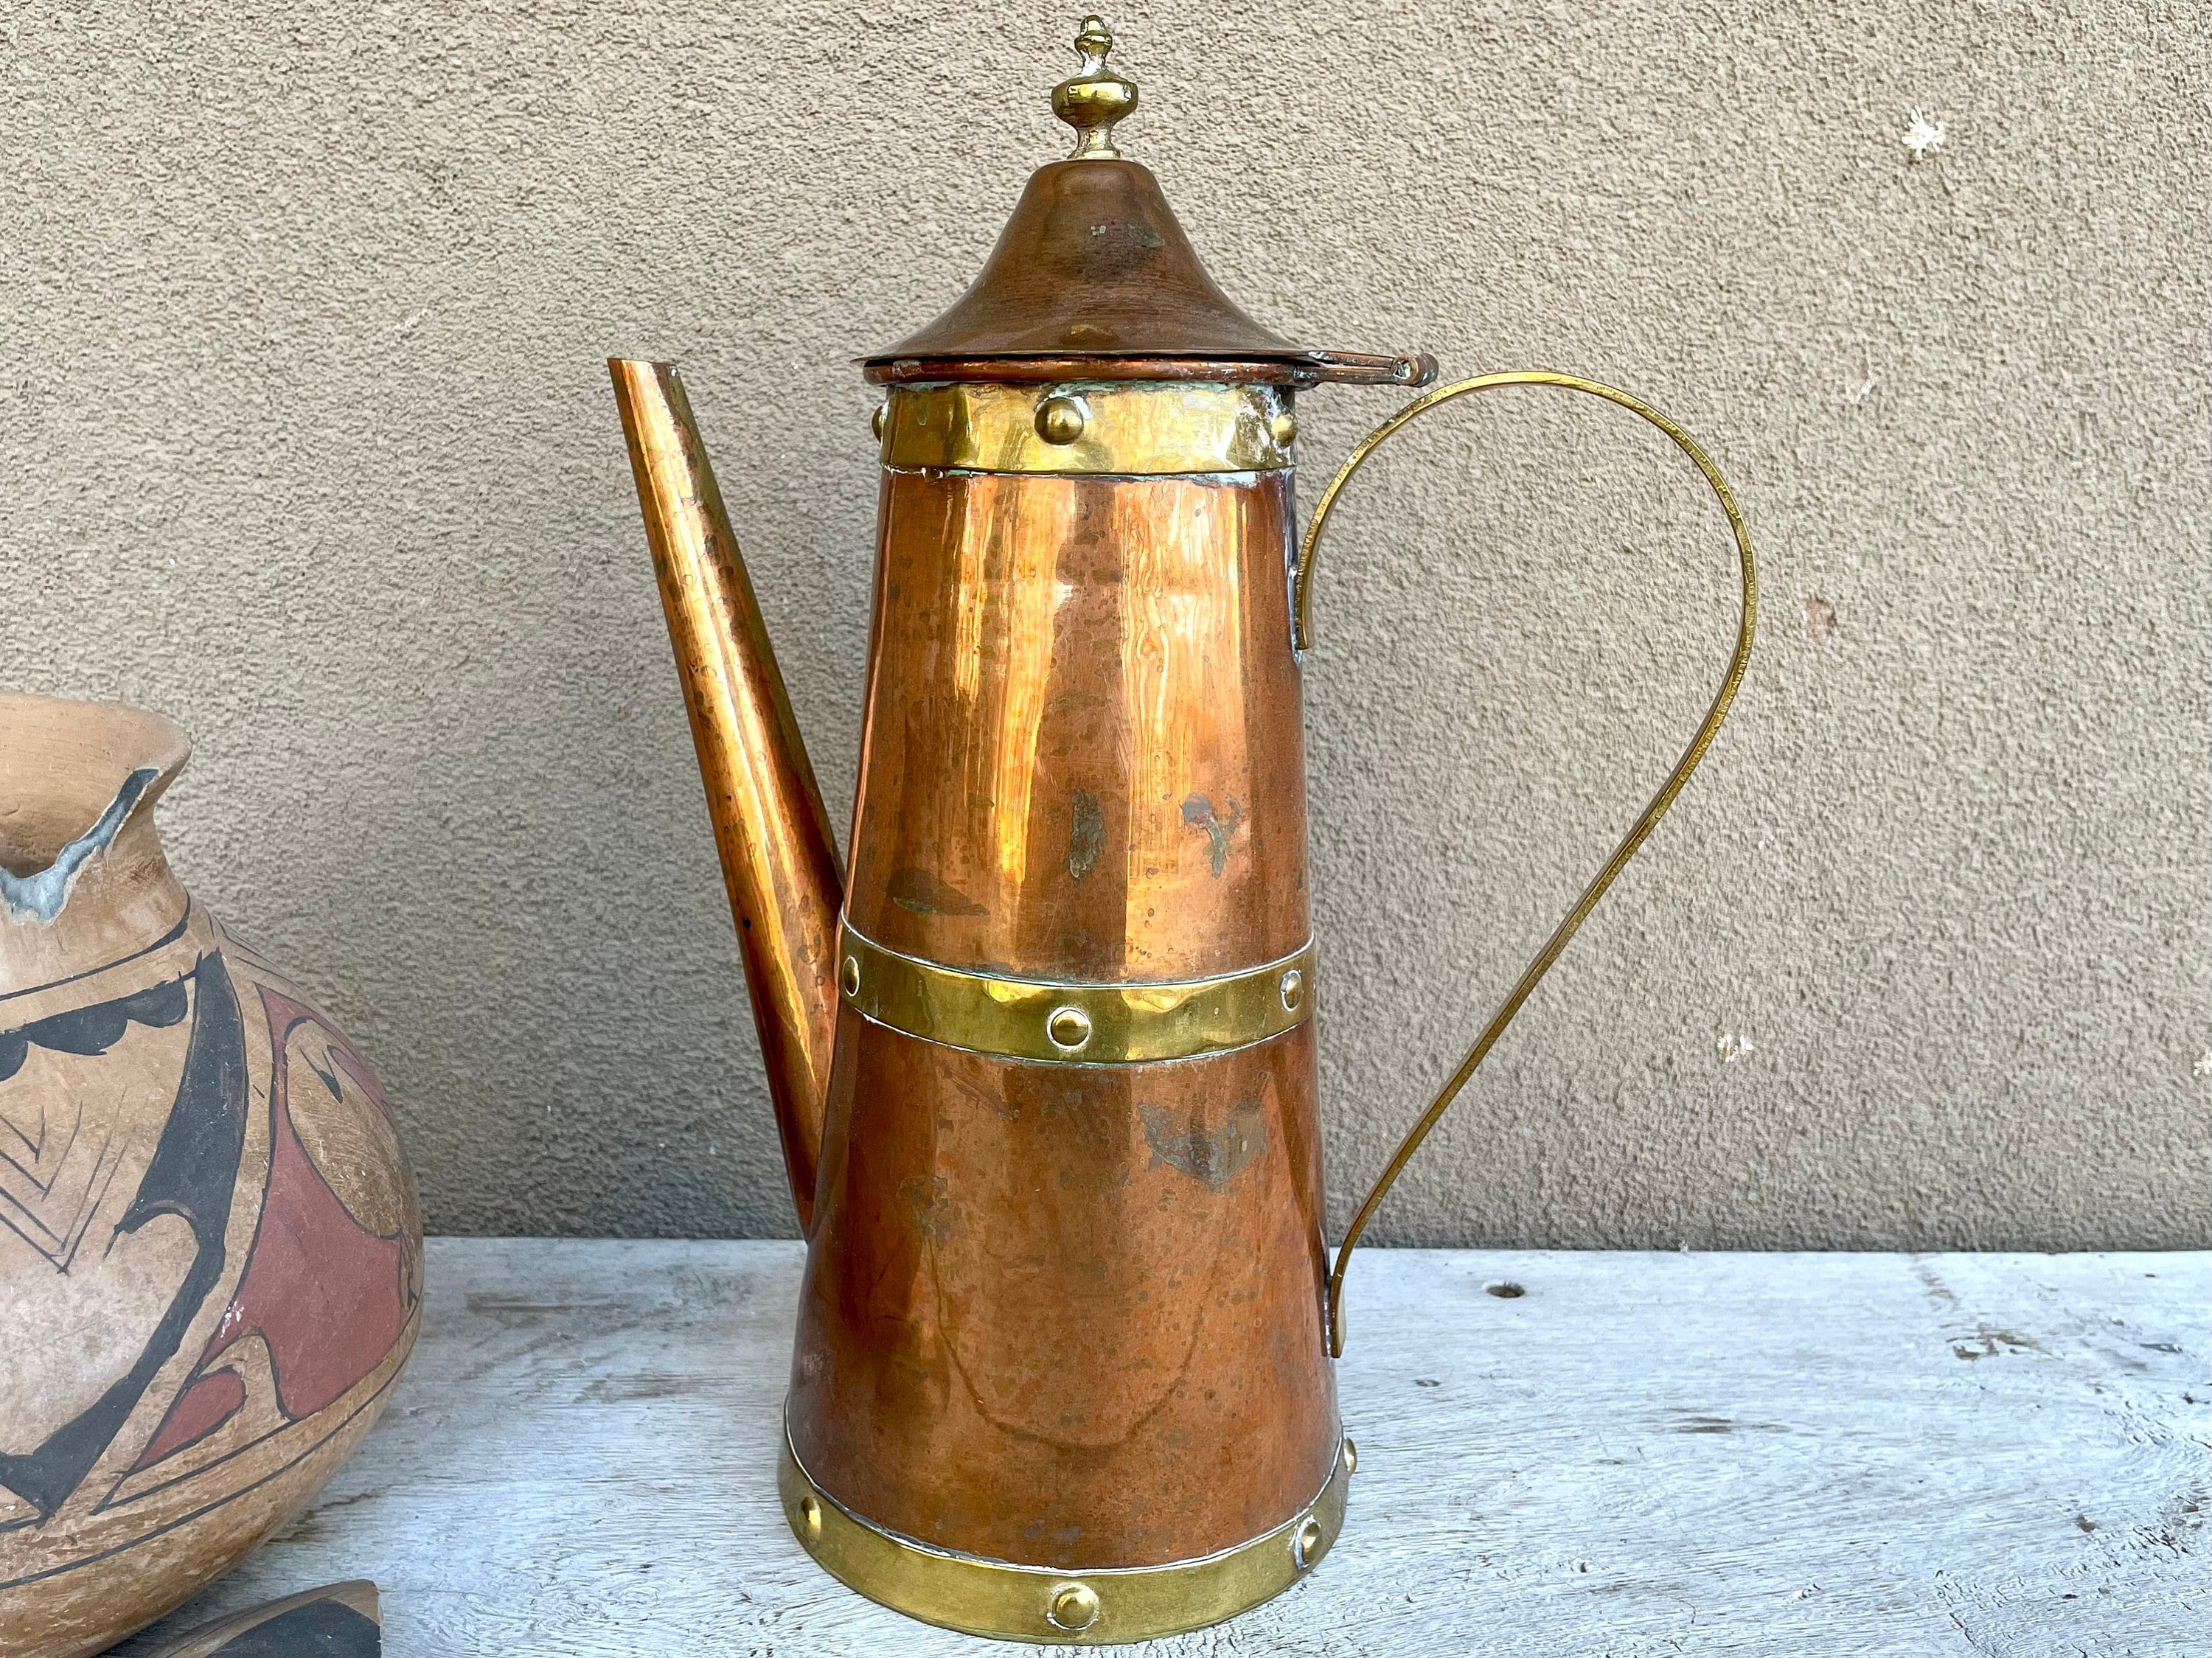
(648, 392)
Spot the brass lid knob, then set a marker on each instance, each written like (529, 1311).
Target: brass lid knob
(1095, 99)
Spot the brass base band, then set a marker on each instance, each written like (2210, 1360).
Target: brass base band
(1130, 430)
(1044, 1604)
(1090, 1024)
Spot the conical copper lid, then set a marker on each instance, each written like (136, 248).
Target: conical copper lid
(1093, 271)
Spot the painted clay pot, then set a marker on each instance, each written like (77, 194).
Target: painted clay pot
(210, 1255)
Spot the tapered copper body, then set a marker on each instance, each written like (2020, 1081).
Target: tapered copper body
(1062, 1313)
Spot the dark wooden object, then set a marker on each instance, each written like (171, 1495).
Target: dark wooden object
(339, 1620)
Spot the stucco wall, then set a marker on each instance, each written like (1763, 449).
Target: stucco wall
(307, 442)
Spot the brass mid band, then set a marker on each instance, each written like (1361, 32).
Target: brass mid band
(1073, 1024)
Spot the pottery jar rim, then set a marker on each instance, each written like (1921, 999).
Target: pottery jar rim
(63, 761)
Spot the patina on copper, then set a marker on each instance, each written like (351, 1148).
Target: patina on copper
(1084, 753)
(1066, 1315)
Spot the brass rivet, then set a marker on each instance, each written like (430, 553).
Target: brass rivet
(1294, 990)
(1074, 1606)
(1284, 427)
(1068, 1027)
(851, 976)
(1351, 1456)
(809, 1519)
(1060, 420)
(877, 423)
(1307, 1546)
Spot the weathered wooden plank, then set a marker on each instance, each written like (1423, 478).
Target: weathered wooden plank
(1678, 1455)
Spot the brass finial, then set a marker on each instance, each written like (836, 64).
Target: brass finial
(1096, 98)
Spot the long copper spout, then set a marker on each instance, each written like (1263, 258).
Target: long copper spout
(778, 860)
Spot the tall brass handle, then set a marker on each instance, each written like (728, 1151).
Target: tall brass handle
(1639, 832)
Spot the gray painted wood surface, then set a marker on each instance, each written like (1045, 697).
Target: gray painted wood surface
(1675, 1454)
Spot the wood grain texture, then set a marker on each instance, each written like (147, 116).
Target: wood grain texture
(1663, 1454)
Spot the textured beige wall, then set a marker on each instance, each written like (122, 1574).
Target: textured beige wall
(307, 442)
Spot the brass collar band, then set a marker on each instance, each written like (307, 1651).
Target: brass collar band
(1042, 1604)
(1073, 1023)
(1130, 429)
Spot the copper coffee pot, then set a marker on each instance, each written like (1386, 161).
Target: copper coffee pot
(1043, 1060)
